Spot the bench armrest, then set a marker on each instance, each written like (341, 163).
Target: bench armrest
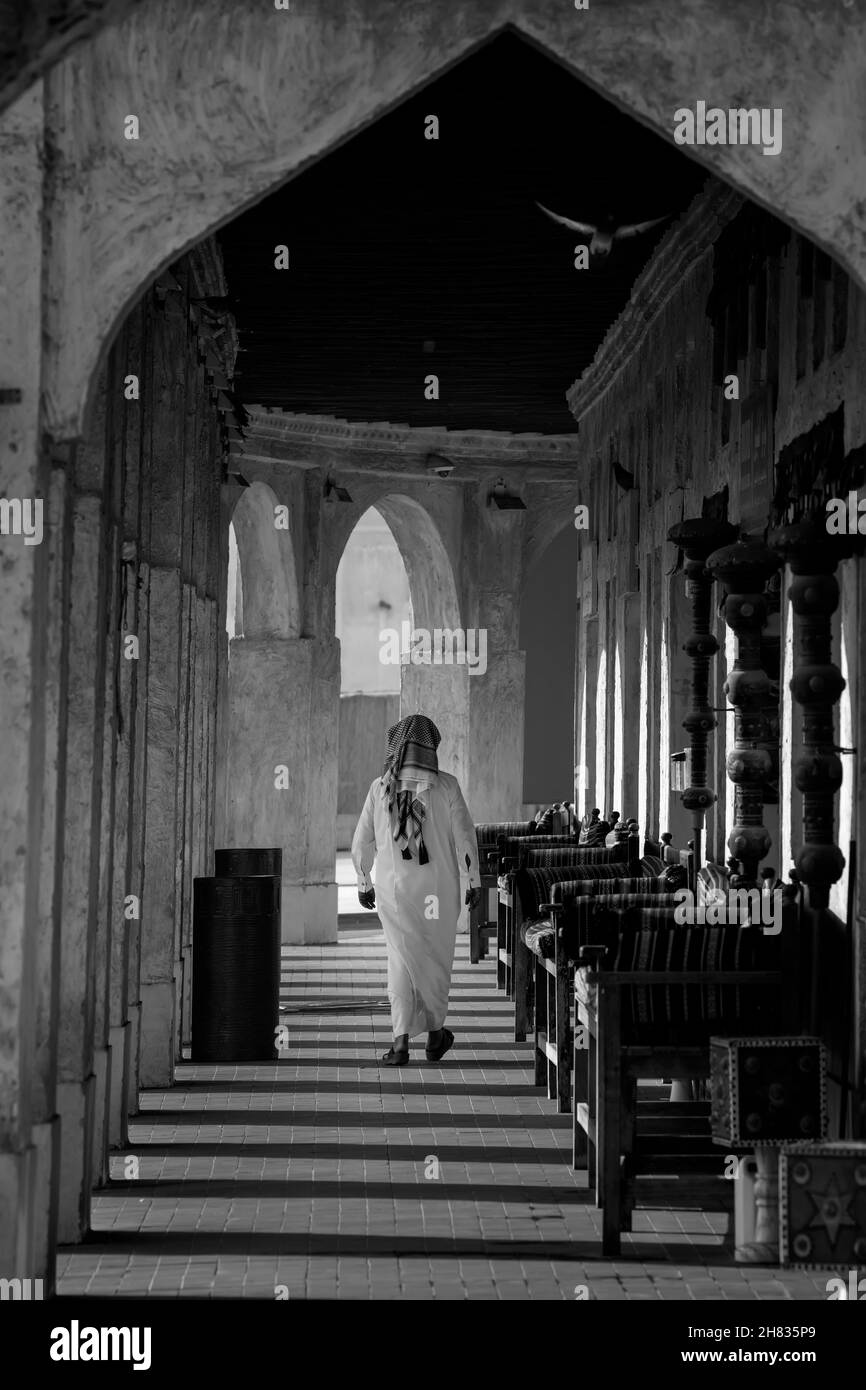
(591, 956)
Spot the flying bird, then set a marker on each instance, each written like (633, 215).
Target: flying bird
(607, 231)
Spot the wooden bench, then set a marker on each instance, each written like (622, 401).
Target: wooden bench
(637, 1024)
(513, 861)
(483, 917)
(554, 946)
(529, 886)
(511, 850)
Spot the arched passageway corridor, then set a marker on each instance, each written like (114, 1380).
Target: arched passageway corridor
(188, 414)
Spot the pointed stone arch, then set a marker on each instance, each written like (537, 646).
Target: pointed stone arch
(124, 210)
(439, 689)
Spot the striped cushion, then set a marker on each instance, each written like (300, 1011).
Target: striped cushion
(488, 832)
(516, 843)
(539, 936)
(586, 879)
(586, 919)
(594, 836)
(652, 864)
(712, 876)
(657, 900)
(648, 938)
(535, 886)
(556, 856)
(667, 882)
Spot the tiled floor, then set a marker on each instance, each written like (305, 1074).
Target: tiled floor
(323, 1175)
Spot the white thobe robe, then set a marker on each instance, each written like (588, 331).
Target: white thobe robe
(418, 904)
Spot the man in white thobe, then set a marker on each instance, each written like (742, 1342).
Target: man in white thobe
(416, 825)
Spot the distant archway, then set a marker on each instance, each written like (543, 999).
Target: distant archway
(438, 686)
(372, 604)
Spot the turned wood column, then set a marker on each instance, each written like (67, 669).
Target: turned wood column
(816, 684)
(744, 569)
(698, 538)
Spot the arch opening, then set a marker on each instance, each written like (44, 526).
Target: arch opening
(373, 619)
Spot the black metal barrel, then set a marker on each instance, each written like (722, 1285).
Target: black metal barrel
(236, 968)
(247, 863)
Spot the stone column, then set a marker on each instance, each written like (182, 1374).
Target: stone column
(627, 748)
(196, 399)
(25, 601)
(76, 1092)
(109, 920)
(45, 1133)
(443, 693)
(129, 357)
(216, 567)
(283, 714)
(137, 533)
(497, 695)
(160, 905)
(196, 798)
(744, 569)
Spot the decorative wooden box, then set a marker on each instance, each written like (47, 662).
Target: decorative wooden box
(822, 1202)
(767, 1090)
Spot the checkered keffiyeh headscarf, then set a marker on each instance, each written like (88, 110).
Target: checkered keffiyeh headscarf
(412, 745)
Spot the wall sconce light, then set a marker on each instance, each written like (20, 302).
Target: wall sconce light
(438, 464)
(679, 771)
(505, 500)
(332, 490)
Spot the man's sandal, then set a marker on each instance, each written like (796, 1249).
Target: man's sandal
(435, 1054)
(396, 1059)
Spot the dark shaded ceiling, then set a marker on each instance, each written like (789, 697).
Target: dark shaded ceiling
(397, 241)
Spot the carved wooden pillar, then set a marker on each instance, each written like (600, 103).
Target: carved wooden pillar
(744, 569)
(697, 538)
(816, 684)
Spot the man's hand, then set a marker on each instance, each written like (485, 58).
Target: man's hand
(473, 897)
(367, 899)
